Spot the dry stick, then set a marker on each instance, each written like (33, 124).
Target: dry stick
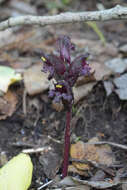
(36, 150)
(110, 143)
(116, 13)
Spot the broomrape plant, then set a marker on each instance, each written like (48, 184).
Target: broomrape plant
(65, 72)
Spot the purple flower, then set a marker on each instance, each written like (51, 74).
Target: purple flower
(65, 71)
(62, 91)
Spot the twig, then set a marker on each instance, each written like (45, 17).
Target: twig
(36, 150)
(46, 184)
(116, 13)
(54, 140)
(110, 143)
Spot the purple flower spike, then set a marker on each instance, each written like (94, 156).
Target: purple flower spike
(66, 74)
(64, 47)
(63, 70)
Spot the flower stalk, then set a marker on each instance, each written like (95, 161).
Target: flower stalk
(66, 144)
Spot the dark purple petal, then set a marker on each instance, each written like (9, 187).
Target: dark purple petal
(64, 47)
(51, 93)
(63, 92)
(53, 65)
(80, 66)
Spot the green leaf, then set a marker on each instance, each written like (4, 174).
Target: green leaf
(17, 173)
(8, 76)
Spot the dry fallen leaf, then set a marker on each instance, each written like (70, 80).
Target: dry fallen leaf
(121, 84)
(35, 80)
(100, 154)
(96, 46)
(109, 87)
(68, 183)
(51, 162)
(82, 91)
(74, 170)
(101, 71)
(8, 104)
(117, 65)
(84, 184)
(85, 79)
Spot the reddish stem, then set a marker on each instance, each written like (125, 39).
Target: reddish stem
(66, 144)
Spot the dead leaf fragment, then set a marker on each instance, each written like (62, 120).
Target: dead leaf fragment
(121, 84)
(85, 79)
(7, 104)
(74, 170)
(51, 162)
(100, 154)
(77, 151)
(35, 80)
(70, 184)
(72, 181)
(117, 65)
(109, 87)
(101, 71)
(82, 91)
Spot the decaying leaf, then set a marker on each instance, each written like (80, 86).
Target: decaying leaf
(51, 162)
(8, 104)
(101, 71)
(121, 84)
(101, 155)
(97, 48)
(109, 87)
(74, 182)
(74, 170)
(68, 182)
(8, 76)
(17, 173)
(82, 91)
(117, 65)
(85, 79)
(35, 80)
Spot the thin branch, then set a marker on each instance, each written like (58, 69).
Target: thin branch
(109, 143)
(116, 13)
(36, 150)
